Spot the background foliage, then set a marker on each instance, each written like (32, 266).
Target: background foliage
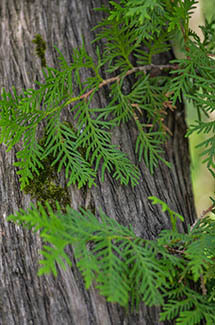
(203, 182)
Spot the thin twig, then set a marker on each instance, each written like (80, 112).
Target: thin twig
(203, 215)
(144, 68)
(203, 287)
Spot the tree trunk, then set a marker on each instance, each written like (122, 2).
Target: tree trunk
(26, 298)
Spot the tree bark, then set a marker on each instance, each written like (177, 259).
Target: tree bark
(26, 298)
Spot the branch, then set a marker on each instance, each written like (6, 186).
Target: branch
(203, 215)
(144, 68)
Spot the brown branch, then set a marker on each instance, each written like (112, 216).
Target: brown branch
(203, 215)
(144, 68)
(203, 287)
(175, 250)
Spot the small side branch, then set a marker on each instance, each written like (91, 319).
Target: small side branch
(203, 215)
(144, 68)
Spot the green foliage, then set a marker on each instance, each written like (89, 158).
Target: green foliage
(45, 186)
(194, 79)
(175, 271)
(22, 115)
(209, 35)
(173, 215)
(86, 145)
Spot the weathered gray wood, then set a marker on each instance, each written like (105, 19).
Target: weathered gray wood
(25, 298)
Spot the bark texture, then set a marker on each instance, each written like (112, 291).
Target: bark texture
(25, 298)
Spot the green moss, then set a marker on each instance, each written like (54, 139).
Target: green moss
(40, 48)
(44, 187)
